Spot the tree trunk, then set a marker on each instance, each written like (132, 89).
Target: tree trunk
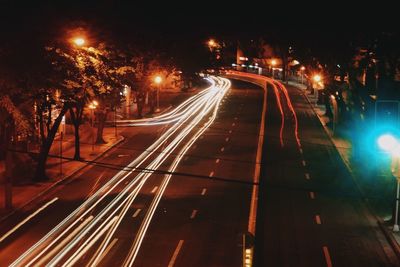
(76, 117)
(101, 121)
(40, 174)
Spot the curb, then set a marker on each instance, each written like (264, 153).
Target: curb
(389, 237)
(51, 186)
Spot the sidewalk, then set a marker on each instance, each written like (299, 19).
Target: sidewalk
(345, 149)
(59, 170)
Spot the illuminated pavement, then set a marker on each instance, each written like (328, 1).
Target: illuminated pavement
(310, 211)
(120, 218)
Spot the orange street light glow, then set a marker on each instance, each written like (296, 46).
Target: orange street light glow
(79, 41)
(317, 78)
(302, 68)
(273, 62)
(157, 79)
(211, 42)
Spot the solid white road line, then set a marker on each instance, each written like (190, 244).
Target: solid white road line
(203, 192)
(312, 195)
(175, 255)
(317, 219)
(217, 161)
(307, 175)
(194, 212)
(327, 256)
(211, 174)
(154, 189)
(136, 213)
(28, 218)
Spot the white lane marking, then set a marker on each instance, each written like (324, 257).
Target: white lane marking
(109, 247)
(194, 212)
(222, 149)
(327, 256)
(303, 162)
(307, 175)
(317, 219)
(236, 118)
(301, 151)
(136, 213)
(154, 189)
(203, 192)
(230, 131)
(217, 161)
(28, 218)
(122, 155)
(227, 139)
(233, 124)
(175, 255)
(211, 174)
(312, 195)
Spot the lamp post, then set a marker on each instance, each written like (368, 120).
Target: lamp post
(302, 69)
(157, 81)
(273, 64)
(389, 144)
(92, 107)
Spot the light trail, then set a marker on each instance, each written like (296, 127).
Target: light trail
(77, 241)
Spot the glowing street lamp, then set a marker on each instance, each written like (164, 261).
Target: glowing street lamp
(390, 144)
(79, 41)
(317, 78)
(273, 64)
(302, 69)
(158, 81)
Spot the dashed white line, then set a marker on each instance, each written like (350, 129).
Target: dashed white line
(307, 175)
(303, 162)
(203, 192)
(211, 174)
(233, 124)
(327, 256)
(217, 161)
(175, 255)
(222, 149)
(317, 219)
(236, 118)
(230, 131)
(136, 213)
(194, 212)
(312, 195)
(301, 151)
(154, 189)
(227, 139)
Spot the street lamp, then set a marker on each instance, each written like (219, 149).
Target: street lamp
(92, 107)
(302, 69)
(390, 144)
(157, 81)
(79, 41)
(273, 64)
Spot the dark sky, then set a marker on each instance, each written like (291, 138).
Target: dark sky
(324, 27)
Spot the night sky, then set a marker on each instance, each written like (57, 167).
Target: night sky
(324, 29)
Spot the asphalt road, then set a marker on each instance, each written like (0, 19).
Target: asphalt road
(202, 214)
(310, 211)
